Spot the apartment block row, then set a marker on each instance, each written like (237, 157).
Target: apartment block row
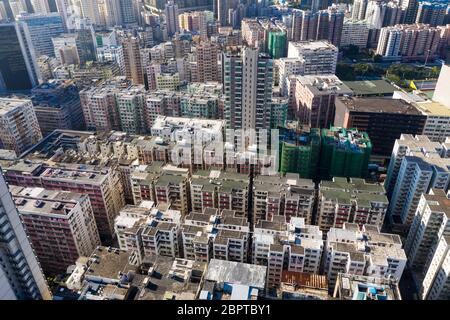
(102, 185)
(427, 246)
(417, 166)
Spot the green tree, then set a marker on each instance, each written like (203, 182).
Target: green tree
(377, 58)
(345, 72)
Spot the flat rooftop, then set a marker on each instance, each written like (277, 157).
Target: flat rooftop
(169, 279)
(379, 105)
(109, 262)
(42, 201)
(324, 84)
(313, 45)
(222, 271)
(8, 104)
(434, 108)
(370, 87)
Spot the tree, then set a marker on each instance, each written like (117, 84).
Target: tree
(345, 72)
(377, 58)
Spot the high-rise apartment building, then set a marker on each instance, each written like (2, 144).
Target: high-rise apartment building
(314, 98)
(247, 86)
(103, 185)
(294, 247)
(354, 32)
(171, 14)
(59, 224)
(90, 10)
(288, 196)
(359, 9)
(320, 57)
(363, 251)
(19, 126)
(430, 223)
(431, 13)
(100, 106)
(253, 34)
(435, 286)
(132, 57)
(130, 104)
(409, 8)
(21, 276)
(416, 167)
(57, 106)
(320, 25)
(350, 201)
(66, 50)
(409, 42)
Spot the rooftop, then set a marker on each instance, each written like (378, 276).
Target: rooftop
(42, 201)
(9, 104)
(108, 263)
(434, 108)
(166, 278)
(379, 105)
(371, 87)
(313, 45)
(231, 272)
(324, 84)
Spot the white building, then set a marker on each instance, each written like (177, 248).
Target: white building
(275, 242)
(21, 276)
(364, 251)
(431, 222)
(441, 93)
(320, 57)
(354, 32)
(437, 125)
(19, 127)
(416, 167)
(437, 280)
(288, 67)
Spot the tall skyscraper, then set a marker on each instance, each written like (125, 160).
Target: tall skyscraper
(247, 85)
(41, 28)
(18, 68)
(21, 276)
(132, 59)
(171, 13)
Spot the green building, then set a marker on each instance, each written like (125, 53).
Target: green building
(299, 153)
(344, 153)
(277, 43)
